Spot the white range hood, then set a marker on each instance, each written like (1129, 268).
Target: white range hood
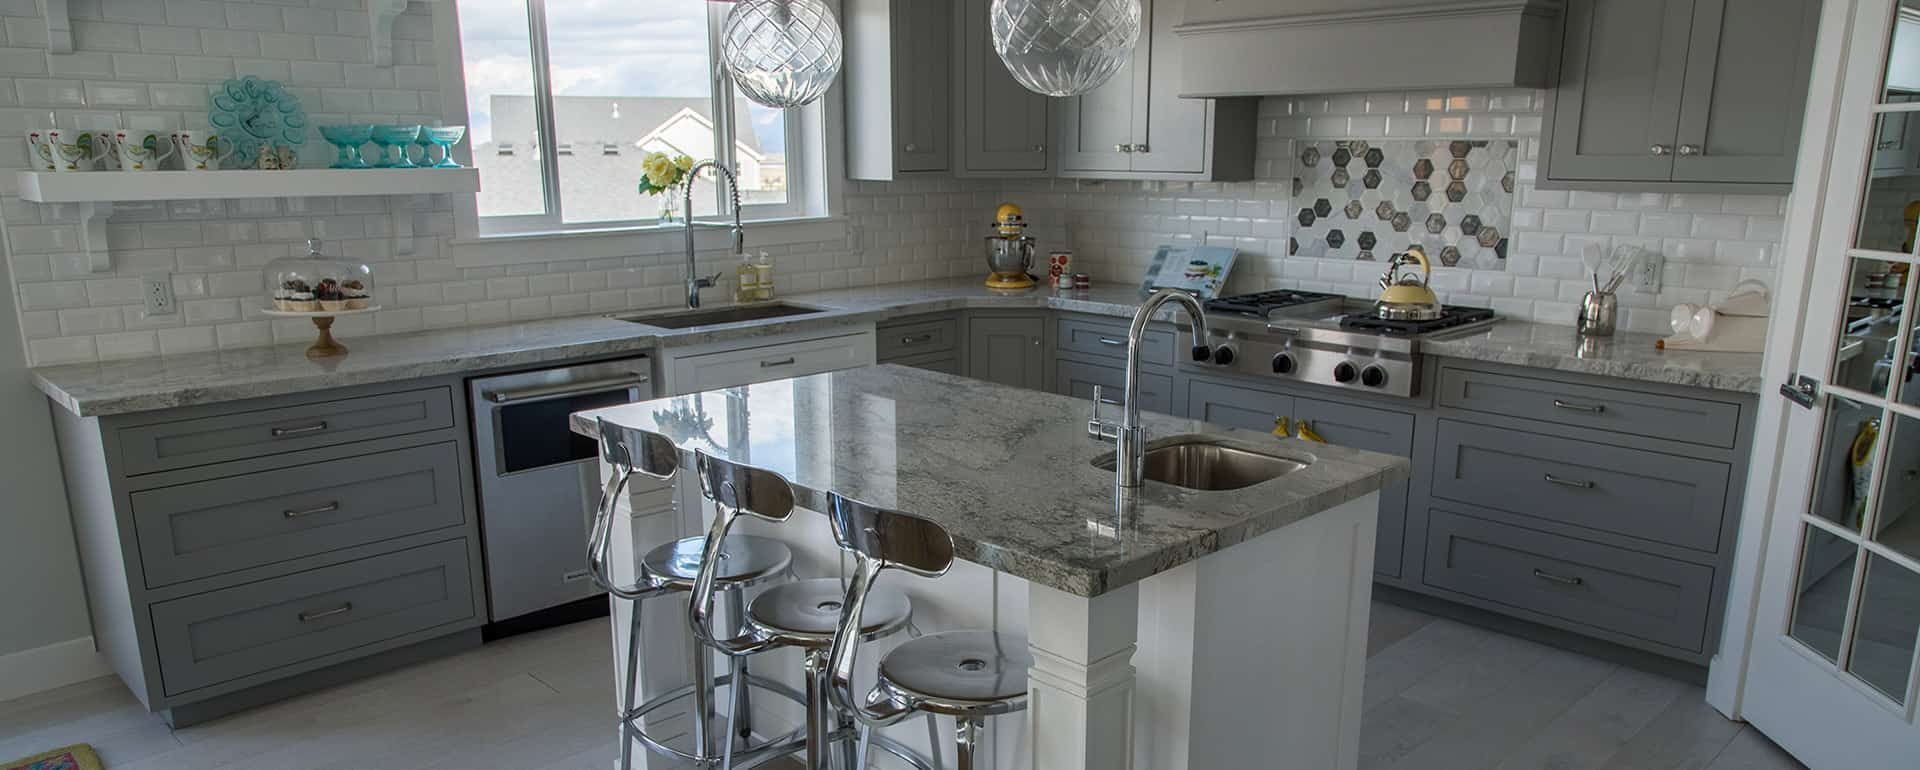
(1268, 47)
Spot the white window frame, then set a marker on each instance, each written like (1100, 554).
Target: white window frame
(810, 152)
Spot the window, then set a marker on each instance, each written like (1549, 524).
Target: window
(549, 80)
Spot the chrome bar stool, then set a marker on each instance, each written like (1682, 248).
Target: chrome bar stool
(968, 675)
(742, 562)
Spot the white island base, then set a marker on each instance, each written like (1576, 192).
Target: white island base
(1252, 657)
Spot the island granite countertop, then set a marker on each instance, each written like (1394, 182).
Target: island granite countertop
(1017, 489)
(164, 382)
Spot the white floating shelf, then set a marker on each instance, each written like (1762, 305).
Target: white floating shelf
(114, 186)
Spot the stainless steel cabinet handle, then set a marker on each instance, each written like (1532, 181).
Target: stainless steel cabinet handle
(1039, 148)
(788, 361)
(1660, 149)
(1036, 342)
(1561, 579)
(915, 339)
(569, 389)
(1690, 150)
(1552, 479)
(912, 147)
(1592, 408)
(1123, 148)
(300, 431)
(328, 508)
(313, 615)
(1141, 148)
(1113, 342)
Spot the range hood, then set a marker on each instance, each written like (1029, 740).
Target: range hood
(1278, 47)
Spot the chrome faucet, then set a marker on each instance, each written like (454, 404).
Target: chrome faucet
(695, 281)
(1129, 438)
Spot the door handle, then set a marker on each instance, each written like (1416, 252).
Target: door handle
(1113, 342)
(1561, 579)
(568, 389)
(1123, 148)
(1141, 148)
(312, 615)
(328, 508)
(788, 361)
(1690, 150)
(915, 339)
(1592, 408)
(1659, 149)
(1575, 483)
(300, 431)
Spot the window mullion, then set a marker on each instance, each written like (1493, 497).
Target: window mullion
(543, 110)
(722, 90)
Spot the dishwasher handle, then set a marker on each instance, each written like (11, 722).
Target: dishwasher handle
(567, 389)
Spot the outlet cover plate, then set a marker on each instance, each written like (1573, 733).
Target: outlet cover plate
(157, 290)
(1647, 273)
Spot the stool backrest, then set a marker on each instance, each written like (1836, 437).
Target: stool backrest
(627, 451)
(878, 540)
(734, 489)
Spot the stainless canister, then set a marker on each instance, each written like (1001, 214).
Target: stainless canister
(1598, 313)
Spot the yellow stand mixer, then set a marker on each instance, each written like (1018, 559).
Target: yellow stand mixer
(1010, 250)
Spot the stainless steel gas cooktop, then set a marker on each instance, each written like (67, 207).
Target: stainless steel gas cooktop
(1326, 339)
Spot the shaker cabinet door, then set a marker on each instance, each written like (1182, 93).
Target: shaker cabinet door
(1173, 134)
(1096, 128)
(1008, 351)
(1746, 90)
(922, 109)
(1004, 126)
(1616, 112)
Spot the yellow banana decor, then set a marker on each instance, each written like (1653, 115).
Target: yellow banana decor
(1287, 427)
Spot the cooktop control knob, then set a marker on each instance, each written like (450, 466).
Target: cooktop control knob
(1345, 372)
(1223, 354)
(1373, 376)
(1283, 363)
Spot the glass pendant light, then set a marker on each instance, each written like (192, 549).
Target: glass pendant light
(781, 53)
(1065, 47)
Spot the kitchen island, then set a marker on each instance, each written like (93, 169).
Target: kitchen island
(1170, 627)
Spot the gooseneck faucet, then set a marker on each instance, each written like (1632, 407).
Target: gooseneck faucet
(695, 281)
(1129, 438)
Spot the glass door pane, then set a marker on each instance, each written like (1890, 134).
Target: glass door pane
(1826, 579)
(1883, 639)
(496, 50)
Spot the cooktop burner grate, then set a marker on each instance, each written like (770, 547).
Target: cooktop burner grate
(1451, 316)
(1262, 303)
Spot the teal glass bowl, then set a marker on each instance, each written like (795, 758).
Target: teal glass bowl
(445, 137)
(348, 141)
(393, 141)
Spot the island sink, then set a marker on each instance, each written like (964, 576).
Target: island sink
(688, 319)
(1191, 462)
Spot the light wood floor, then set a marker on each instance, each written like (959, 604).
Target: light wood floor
(1439, 696)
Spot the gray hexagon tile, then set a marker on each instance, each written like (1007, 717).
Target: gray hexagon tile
(1454, 195)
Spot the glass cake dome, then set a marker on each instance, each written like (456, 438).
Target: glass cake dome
(317, 283)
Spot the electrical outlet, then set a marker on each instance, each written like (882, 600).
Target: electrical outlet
(158, 291)
(1646, 272)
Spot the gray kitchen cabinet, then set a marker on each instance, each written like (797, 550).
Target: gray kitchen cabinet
(1003, 128)
(1136, 126)
(1374, 430)
(1237, 407)
(932, 342)
(899, 103)
(1009, 349)
(1681, 94)
(1078, 379)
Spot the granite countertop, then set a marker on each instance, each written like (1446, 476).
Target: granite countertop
(1016, 488)
(163, 382)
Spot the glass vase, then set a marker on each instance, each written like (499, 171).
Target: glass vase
(670, 205)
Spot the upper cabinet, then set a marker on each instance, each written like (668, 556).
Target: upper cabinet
(1137, 126)
(1003, 127)
(1683, 95)
(898, 83)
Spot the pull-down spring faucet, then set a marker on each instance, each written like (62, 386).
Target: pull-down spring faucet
(695, 281)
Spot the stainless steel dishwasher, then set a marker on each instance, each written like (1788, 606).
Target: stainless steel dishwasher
(539, 480)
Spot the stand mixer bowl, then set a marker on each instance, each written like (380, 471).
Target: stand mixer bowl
(1010, 256)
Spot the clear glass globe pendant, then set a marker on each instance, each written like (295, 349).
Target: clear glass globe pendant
(781, 53)
(1065, 47)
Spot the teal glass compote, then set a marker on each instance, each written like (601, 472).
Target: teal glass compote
(392, 138)
(348, 140)
(445, 137)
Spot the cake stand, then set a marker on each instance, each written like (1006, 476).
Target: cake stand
(325, 346)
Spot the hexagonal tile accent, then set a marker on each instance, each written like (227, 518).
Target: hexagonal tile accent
(1456, 191)
(1449, 256)
(1306, 217)
(1402, 221)
(1459, 148)
(1322, 207)
(1384, 211)
(1310, 157)
(1436, 223)
(1366, 255)
(1506, 182)
(1421, 190)
(1355, 209)
(1375, 157)
(1359, 147)
(1342, 157)
(1489, 237)
(1469, 225)
(1366, 240)
(1340, 178)
(1422, 168)
(1372, 178)
(1336, 239)
(1457, 169)
(1298, 186)
(1293, 245)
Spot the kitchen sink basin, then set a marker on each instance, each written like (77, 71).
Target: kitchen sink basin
(688, 319)
(1208, 466)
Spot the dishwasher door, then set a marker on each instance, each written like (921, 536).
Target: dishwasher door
(539, 481)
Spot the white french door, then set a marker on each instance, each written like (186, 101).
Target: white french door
(1831, 672)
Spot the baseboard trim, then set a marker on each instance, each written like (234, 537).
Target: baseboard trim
(45, 668)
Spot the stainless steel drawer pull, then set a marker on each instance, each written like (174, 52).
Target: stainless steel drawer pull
(313, 615)
(1113, 342)
(788, 361)
(1561, 579)
(300, 431)
(915, 339)
(565, 390)
(1593, 408)
(328, 508)
(1576, 483)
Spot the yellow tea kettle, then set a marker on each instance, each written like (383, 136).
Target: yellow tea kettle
(1407, 297)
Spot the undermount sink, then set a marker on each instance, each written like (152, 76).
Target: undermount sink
(1207, 466)
(688, 319)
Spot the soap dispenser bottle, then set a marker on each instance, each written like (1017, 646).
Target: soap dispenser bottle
(746, 286)
(765, 278)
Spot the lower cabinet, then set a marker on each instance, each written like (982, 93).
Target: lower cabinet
(932, 342)
(1008, 349)
(1078, 378)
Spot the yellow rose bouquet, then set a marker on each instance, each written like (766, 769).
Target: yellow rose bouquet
(663, 175)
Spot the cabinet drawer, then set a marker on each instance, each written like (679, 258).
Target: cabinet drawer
(1709, 423)
(1647, 495)
(1109, 340)
(211, 527)
(1077, 379)
(945, 363)
(774, 362)
(222, 635)
(1237, 407)
(917, 339)
(187, 443)
(1635, 594)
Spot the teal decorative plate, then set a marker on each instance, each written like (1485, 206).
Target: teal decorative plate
(254, 113)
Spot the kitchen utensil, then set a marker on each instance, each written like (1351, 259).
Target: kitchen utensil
(347, 141)
(1009, 250)
(200, 150)
(1407, 297)
(1599, 312)
(444, 137)
(256, 113)
(141, 150)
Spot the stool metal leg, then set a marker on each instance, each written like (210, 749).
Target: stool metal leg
(628, 695)
(737, 619)
(967, 739)
(702, 698)
(816, 711)
(933, 741)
